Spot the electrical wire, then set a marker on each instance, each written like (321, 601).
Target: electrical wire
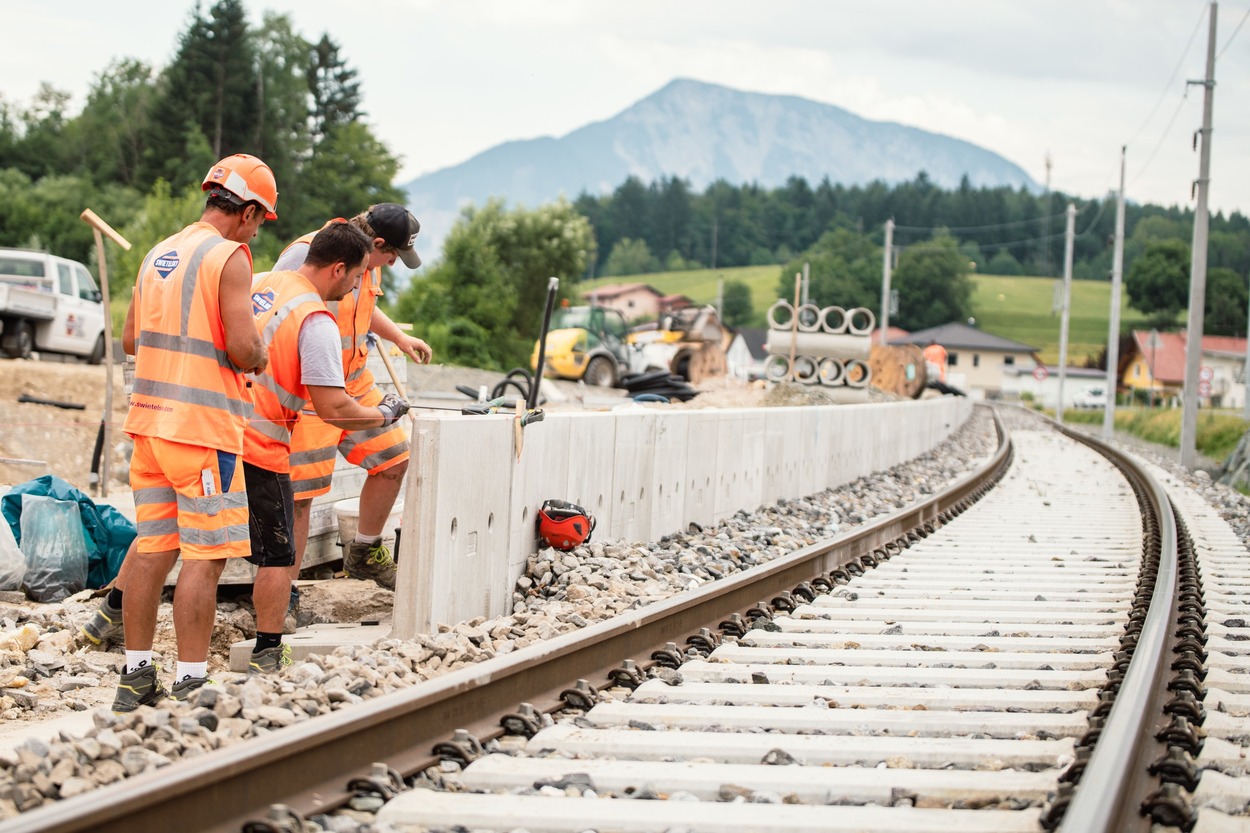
(1162, 95)
(1163, 138)
(980, 228)
(1233, 36)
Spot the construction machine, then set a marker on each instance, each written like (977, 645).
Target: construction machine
(594, 344)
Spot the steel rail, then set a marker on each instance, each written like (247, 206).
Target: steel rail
(308, 766)
(1109, 796)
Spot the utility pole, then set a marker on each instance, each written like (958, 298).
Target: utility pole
(1113, 329)
(1069, 238)
(715, 223)
(886, 263)
(807, 281)
(1046, 222)
(1198, 264)
(1245, 369)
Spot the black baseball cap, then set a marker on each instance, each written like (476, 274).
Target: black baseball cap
(398, 228)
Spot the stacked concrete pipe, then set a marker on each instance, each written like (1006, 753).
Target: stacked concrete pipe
(830, 346)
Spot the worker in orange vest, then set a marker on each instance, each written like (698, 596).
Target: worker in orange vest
(305, 368)
(935, 357)
(190, 327)
(382, 453)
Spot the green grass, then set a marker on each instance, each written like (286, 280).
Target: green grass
(1218, 434)
(1014, 308)
(1019, 309)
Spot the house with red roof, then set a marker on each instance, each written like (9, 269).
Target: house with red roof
(1157, 361)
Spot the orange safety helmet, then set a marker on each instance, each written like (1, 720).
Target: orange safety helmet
(563, 525)
(245, 178)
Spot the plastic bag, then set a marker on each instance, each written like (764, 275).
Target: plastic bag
(12, 562)
(108, 531)
(55, 548)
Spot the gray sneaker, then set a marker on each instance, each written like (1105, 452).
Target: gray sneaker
(138, 688)
(183, 689)
(370, 561)
(269, 661)
(104, 626)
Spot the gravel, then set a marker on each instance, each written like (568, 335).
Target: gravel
(558, 593)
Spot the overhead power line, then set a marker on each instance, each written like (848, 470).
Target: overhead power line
(1233, 36)
(1166, 87)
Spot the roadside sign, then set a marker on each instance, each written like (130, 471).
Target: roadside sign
(1205, 374)
(1040, 373)
(1204, 389)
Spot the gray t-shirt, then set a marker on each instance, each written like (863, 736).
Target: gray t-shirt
(293, 258)
(320, 353)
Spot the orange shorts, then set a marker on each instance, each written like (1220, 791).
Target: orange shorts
(189, 498)
(315, 442)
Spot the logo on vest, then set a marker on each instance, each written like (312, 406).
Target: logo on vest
(166, 264)
(262, 301)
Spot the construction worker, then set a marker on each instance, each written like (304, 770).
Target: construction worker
(305, 366)
(190, 327)
(383, 452)
(935, 359)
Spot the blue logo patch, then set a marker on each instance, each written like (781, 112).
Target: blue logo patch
(166, 264)
(262, 301)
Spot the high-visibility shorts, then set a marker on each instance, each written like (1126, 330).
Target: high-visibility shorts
(189, 498)
(315, 442)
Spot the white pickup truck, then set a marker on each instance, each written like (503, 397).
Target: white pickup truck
(49, 304)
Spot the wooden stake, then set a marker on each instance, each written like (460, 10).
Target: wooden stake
(794, 322)
(99, 227)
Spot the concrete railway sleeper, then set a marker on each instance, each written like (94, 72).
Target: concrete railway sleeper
(964, 665)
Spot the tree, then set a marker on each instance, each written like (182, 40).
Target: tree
(483, 303)
(212, 84)
(1003, 263)
(334, 89)
(115, 123)
(844, 269)
(1158, 281)
(282, 128)
(736, 307)
(630, 257)
(933, 284)
(1225, 308)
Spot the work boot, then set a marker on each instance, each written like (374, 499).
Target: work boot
(183, 689)
(291, 621)
(104, 626)
(370, 561)
(269, 661)
(138, 688)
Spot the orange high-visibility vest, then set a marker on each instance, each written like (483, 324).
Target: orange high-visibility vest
(354, 314)
(280, 304)
(186, 389)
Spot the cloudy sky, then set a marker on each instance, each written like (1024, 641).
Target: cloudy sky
(1075, 79)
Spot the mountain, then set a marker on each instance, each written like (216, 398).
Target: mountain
(704, 132)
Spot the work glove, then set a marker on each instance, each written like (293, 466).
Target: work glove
(392, 408)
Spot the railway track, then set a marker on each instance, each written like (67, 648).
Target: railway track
(991, 664)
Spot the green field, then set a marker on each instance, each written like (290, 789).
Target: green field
(1014, 308)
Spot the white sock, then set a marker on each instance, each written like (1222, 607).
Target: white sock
(137, 659)
(361, 538)
(187, 670)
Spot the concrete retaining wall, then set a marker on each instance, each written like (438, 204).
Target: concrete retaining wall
(468, 516)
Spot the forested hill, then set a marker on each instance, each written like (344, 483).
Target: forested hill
(702, 133)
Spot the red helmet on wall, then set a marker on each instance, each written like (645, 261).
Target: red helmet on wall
(563, 525)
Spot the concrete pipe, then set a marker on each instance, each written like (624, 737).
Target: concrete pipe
(833, 320)
(809, 318)
(832, 373)
(820, 345)
(858, 374)
(860, 321)
(777, 368)
(806, 370)
(784, 309)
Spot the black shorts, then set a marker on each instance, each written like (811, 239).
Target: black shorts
(271, 516)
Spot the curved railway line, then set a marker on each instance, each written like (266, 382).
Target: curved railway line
(1031, 649)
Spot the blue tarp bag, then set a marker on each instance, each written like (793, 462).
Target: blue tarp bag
(108, 533)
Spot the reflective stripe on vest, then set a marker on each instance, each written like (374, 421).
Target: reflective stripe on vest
(279, 393)
(186, 389)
